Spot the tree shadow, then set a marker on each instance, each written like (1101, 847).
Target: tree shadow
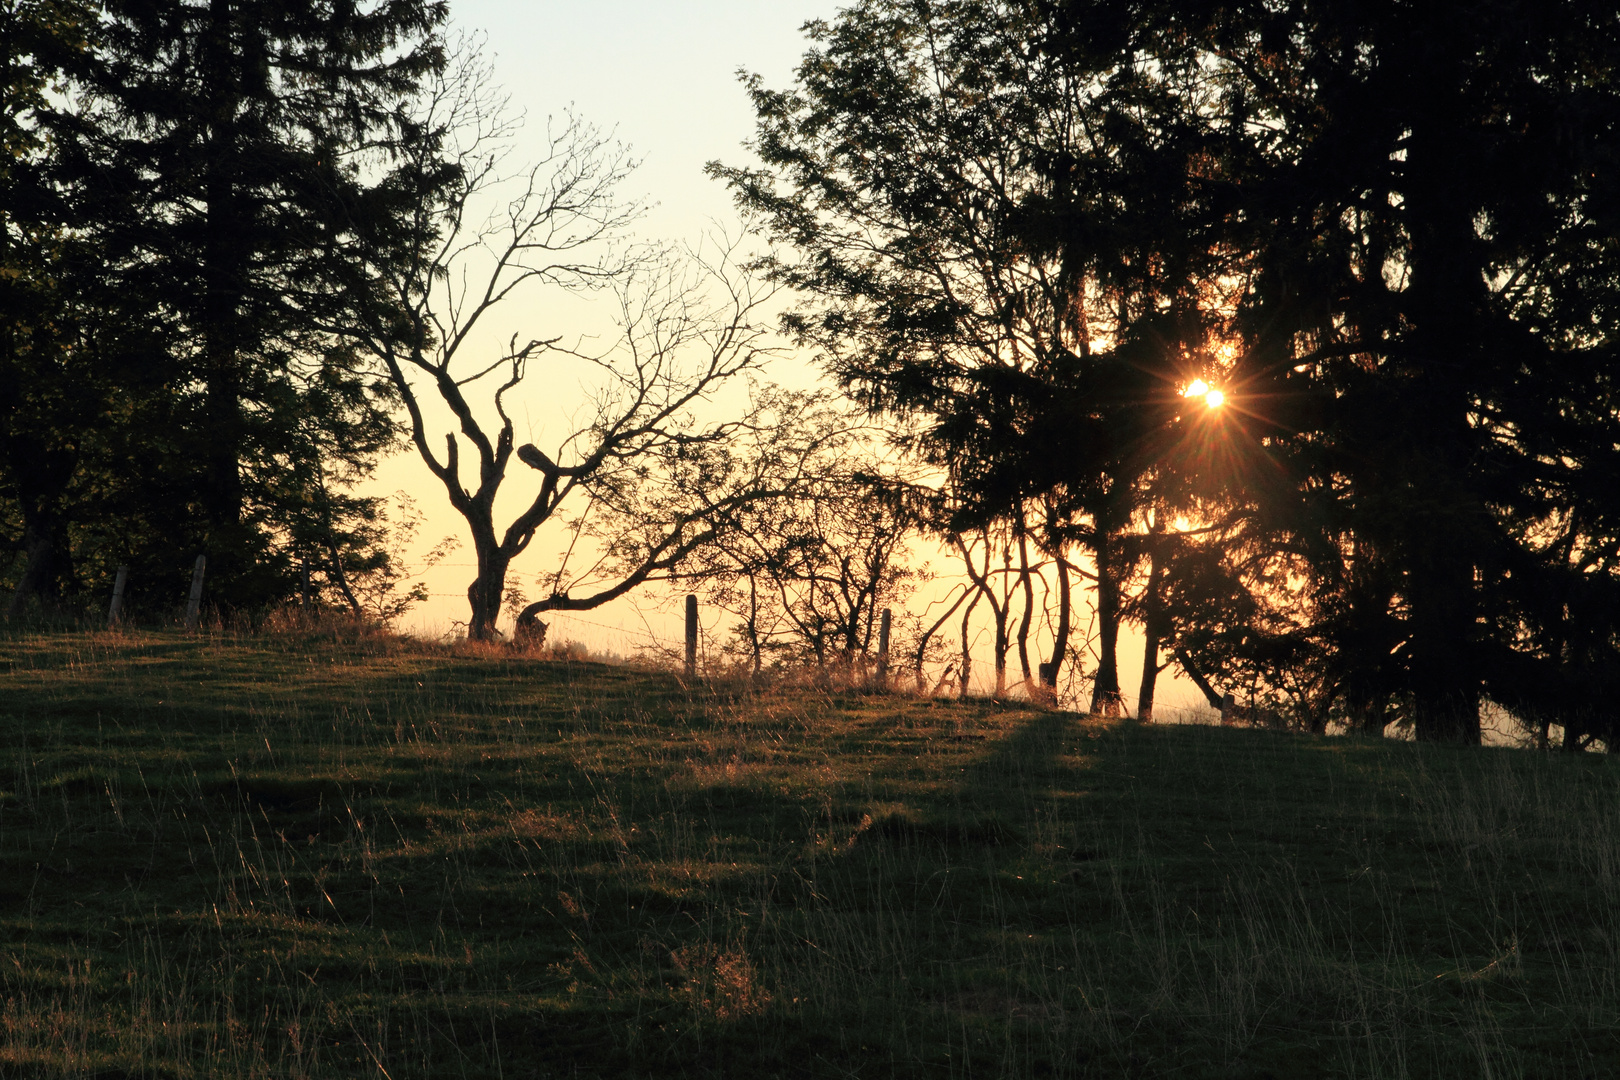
(1021, 770)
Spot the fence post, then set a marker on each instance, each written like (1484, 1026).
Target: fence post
(116, 611)
(691, 635)
(1228, 709)
(194, 605)
(1046, 682)
(883, 647)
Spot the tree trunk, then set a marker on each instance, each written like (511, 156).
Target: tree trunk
(1060, 642)
(1444, 674)
(1105, 697)
(223, 284)
(1365, 706)
(1152, 633)
(1191, 668)
(45, 550)
(755, 648)
(1371, 720)
(927, 636)
(341, 579)
(1002, 607)
(967, 654)
(487, 590)
(1028, 585)
(1572, 739)
(1002, 644)
(1446, 296)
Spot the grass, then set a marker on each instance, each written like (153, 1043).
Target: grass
(300, 856)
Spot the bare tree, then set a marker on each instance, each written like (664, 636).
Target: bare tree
(687, 329)
(809, 572)
(924, 639)
(663, 512)
(968, 548)
(1026, 582)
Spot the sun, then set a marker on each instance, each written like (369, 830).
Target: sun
(1198, 388)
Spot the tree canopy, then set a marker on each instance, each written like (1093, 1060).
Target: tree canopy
(182, 210)
(1385, 232)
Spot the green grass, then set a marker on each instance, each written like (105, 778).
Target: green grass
(309, 857)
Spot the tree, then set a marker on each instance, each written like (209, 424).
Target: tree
(1006, 244)
(222, 157)
(1387, 228)
(654, 481)
(809, 572)
(39, 383)
(1428, 333)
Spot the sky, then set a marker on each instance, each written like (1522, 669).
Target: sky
(662, 75)
(663, 78)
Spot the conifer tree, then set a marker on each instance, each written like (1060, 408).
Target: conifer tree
(1429, 194)
(1390, 228)
(49, 388)
(225, 155)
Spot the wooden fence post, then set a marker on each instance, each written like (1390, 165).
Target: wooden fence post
(116, 611)
(691, 635)
(194, 605)
(1045, 683)
(883, 647)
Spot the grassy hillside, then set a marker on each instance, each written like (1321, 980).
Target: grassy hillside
(310, 857)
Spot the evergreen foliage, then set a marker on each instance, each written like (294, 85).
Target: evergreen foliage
(207, 174)
(1386, 231)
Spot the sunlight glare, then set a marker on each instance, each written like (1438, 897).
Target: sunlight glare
(1198, 388)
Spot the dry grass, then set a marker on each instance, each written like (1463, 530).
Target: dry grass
(320, 854)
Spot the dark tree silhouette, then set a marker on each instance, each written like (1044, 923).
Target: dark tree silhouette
(1430, 197)
(225, 157)
(808, 573)
(654, 478)
(50, 391)
(1004, 242)
(1388, 230)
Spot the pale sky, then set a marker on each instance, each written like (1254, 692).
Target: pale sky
(664, 75)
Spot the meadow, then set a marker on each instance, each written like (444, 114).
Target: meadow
(331, 854)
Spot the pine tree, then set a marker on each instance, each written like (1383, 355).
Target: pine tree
(49, 387)
(1389, 226)
(225, 154)
(1430, 195)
